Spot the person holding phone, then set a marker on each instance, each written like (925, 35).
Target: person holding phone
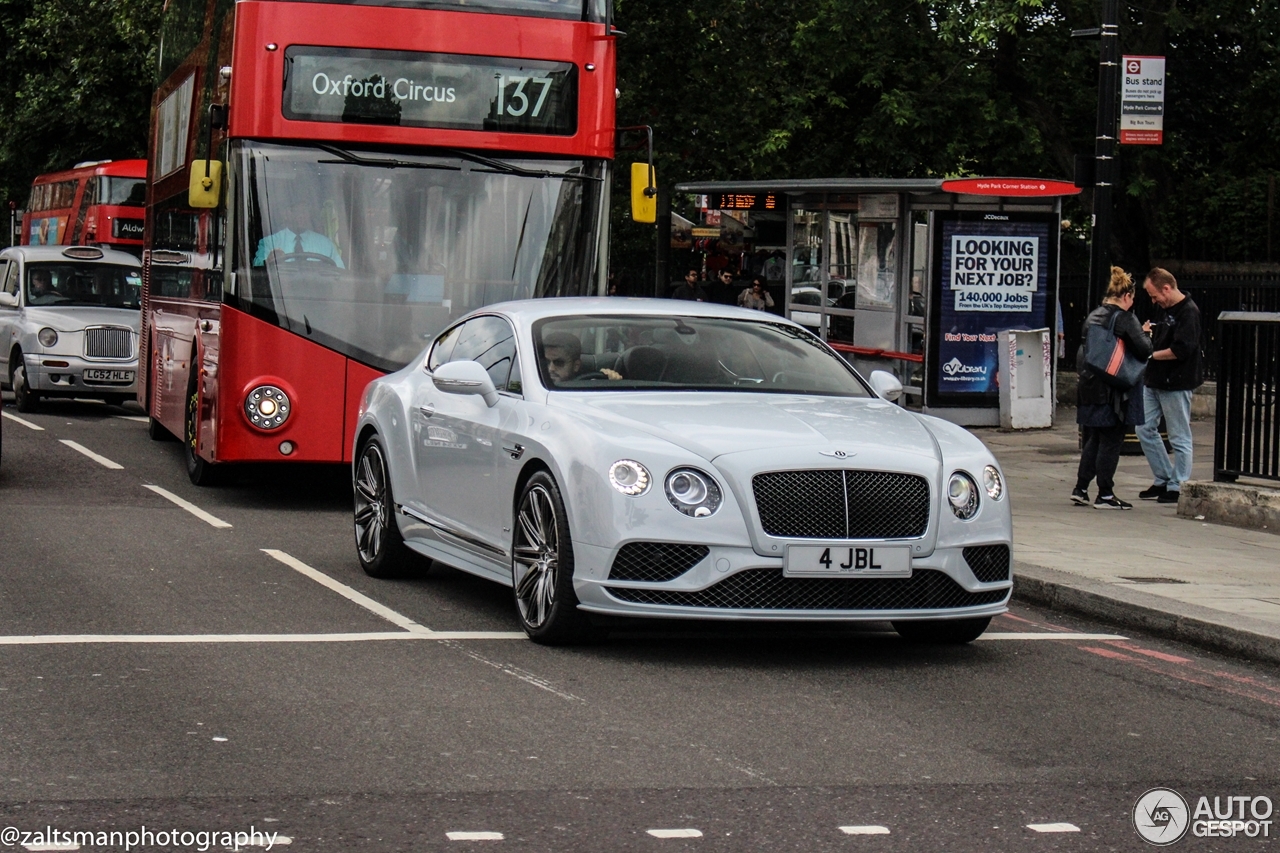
(1105, 413)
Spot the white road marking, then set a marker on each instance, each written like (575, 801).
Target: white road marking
(474, 836)
(523, 675)
(675, 833)
(101, 460)
(1015, 635)
(1053, 827)
(138, 419)
(156, 639)
(347, 592)
(207, 518)
(279, 841)
(67, 845)
(26, 423)
(865, 830)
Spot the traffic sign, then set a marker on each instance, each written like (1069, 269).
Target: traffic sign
(1142, 100)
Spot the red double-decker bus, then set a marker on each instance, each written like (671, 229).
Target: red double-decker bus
(93, 204)
(331, 184)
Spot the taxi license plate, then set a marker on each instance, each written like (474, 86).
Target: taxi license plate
(840, 561)
(108, 376)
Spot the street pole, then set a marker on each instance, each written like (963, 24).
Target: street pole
(1104, 169)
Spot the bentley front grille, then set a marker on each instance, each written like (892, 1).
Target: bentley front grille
(108, 342)
(990, 563)
(767, 589)
(655, 561)
(833, 504)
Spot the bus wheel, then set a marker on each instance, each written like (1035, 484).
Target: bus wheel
(157, 432)
(200, 471)
(25, 399)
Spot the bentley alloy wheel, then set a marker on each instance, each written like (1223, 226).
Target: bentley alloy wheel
(542, 566)
(379, 545)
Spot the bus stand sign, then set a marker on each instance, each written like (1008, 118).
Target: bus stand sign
(1142, 101)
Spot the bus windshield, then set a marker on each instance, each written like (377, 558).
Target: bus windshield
(576, 10)
(130, 192)
(73, 284)
(372, 254)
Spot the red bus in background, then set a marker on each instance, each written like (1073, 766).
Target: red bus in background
(332, 184)
(99, 203)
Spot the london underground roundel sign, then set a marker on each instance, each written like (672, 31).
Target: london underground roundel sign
(1031, 187)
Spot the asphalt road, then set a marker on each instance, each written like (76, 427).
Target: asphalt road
(157, 670)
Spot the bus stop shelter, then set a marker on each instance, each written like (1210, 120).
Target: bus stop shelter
(915, 276)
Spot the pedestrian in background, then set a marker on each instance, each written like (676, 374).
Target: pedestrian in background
(1172, 375)
(756, 296)
(1104, 412)
(691, 289)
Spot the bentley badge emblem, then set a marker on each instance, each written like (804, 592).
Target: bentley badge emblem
(838, 454)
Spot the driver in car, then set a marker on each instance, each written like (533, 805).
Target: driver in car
(308, 244)
(562, 352)
(40, 290)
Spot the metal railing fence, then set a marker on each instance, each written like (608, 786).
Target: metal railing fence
(1246, 440)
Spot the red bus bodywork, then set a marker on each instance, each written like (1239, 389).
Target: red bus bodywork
(198, 338)
(68, 208)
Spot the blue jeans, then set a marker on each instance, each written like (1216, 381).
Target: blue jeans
(1176, 408)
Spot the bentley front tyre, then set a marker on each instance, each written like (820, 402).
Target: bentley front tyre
(379, 545)
(942, 631)
(542, 567)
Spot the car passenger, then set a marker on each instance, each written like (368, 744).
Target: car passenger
(562, 352)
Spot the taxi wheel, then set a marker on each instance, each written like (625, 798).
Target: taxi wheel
(199, 471)
(25, 399)
(942, 631)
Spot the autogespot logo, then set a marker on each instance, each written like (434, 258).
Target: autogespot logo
(956, 367)
(1161, 817)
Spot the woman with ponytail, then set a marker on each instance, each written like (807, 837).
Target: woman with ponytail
(1103, 412)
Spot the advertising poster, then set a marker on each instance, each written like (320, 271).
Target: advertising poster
(992, 273)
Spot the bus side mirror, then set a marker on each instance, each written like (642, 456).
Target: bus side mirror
(644, 193)
(205, 188)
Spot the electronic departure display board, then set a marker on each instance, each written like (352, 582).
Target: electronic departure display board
(743, 201)
(430, 90)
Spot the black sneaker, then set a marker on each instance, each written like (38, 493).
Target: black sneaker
(1154, 493)
(1168, 497)
(1079, 497)
(1111, 502)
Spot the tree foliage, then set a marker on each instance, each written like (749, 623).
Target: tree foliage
(75, 84)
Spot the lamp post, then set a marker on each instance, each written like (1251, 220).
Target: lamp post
(1104, 166)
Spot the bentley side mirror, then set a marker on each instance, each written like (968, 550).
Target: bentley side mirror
(8, 300)
(885, 384)
(465, 377)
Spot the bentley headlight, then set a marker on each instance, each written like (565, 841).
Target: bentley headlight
(962, 493)
(267, 407)
(692, 492)
(991, 480)
(629, 477)
(47, 337)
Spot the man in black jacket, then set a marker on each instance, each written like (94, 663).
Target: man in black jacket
(691, 289)
(1172, 374)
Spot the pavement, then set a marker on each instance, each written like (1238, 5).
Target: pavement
(1183, 578)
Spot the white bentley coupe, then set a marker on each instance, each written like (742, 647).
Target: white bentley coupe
(656, 458)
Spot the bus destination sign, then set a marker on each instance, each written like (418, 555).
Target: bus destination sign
(742, 201)
(430, 90)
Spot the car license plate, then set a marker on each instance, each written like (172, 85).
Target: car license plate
(108, 376)
(839, 561)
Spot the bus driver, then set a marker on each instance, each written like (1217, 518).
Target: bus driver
(308, 244)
